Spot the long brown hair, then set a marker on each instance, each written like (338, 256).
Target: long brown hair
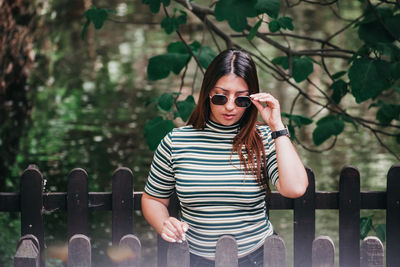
(239, 63)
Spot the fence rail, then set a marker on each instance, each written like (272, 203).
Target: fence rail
(32, 203)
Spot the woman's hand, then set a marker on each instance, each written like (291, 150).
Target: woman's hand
(270, 110)
(174, 230)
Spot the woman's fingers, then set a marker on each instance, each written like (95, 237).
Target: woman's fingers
(174, 230)
(265, 98)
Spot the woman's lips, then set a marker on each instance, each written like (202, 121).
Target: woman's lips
(229, 116)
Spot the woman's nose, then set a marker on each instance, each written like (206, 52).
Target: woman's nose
(230, 104)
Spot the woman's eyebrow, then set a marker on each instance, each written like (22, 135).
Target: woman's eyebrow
(226, 90)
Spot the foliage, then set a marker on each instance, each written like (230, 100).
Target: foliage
(366, 225)
(370, 75)
(12, 223)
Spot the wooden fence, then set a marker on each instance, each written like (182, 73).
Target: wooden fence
(122, 201)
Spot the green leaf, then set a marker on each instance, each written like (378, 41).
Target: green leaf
(274, 26)
(339, 88)
(392, 24)
(337, 75)
(236, 12)
(160, 66)
(387, 112)
(283, 61)
(286, 23)
(206, 56)
(154, 5)
(381, 232)
(348, 119)
(166, 101)
(271, 7)
(371, 29)
(171, 24)
(302, 67)
(96, 15)
(395, 70)
(292, 132)
(398, 139)
(365, 226)
(155, 130)
(186, 107)
(254, 30)
(327, 127)
(368, 78)
(299, 120)
(374, 33)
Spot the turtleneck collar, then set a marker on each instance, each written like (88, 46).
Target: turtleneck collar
(217, 127)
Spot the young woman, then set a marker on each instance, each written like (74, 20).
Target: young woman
(220, 165)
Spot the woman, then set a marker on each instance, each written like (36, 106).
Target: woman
(220, 165)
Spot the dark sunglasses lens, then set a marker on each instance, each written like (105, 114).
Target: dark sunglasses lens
(219, 99)
(243, 101)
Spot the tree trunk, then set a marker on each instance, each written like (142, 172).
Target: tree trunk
(16, 58)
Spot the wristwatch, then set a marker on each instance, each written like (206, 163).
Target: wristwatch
(276, 134)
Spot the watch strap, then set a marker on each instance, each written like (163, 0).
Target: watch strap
(276, 134)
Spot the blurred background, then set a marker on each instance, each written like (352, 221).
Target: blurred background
(85, 103)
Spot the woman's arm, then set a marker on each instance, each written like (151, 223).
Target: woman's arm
(156, 213)
(293, 179)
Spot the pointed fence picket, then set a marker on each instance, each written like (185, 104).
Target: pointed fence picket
(123, 201)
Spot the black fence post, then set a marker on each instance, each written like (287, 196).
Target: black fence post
(28, 252)
(372, 252)
(226, 252)
(77, 203)
(323, 252)
(349, 217)
(393, 217)
(162, 245)
(133, 243)
(79, 251)
(31, 203)
(274, 252)
(122, 204)
(178, 255)
(304, 224)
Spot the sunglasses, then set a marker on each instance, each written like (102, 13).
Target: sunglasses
(240, 101)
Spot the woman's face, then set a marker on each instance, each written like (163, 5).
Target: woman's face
(231, 86)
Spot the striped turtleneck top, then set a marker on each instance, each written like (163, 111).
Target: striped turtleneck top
(216, 196)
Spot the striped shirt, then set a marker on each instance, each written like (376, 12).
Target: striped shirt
(216, 196)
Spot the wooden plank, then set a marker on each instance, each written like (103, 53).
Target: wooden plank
(274, 252)
(28, 252)
(323, 252)
(79, 251)
(77, 207)
(178, 255)
(122, 204)
(372, 252)
(226, 253)
(393, 217)
(304, 224)
(349, 217)
(101, 201)
(133, 243)
(31, 189)
(162, 245)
